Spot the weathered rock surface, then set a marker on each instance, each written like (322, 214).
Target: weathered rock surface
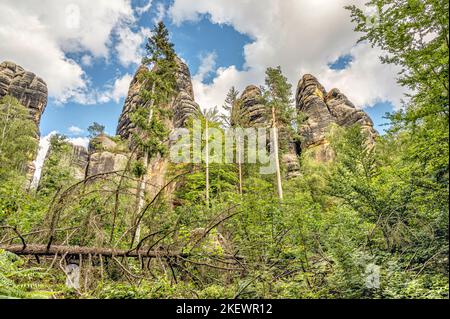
(183, 105)
(254, 109)
(74, 158)
(323, 109)
(252, 106)
(346, 114)
(25, 86)
(30, 90)
(105, 155)
(133, 99)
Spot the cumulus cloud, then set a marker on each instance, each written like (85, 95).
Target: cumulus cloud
(75, 130)
(160, 12)
(207, 65)
(300, 36)
(129, 47)
(117, 91)
(39, 35)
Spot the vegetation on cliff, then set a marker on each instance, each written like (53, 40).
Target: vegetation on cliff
(370, 223)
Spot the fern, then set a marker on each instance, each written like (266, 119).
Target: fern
(18, 282)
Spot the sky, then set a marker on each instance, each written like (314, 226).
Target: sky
(87, 52)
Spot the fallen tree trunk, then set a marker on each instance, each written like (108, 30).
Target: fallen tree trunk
(42, 250)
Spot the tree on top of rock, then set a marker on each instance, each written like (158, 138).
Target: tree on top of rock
(159, 87)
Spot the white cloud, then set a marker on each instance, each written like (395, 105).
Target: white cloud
(300, 36)
(79, 141)
(129, 46)
(117, 91)
(145, 8)
(160, 12)
(39, 34)
(87, 60)
(75, 130)
(207, 65)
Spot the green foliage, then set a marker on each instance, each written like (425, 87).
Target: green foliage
(277, 97)
(377, 207)
(18, 136)
(16, 281)
(57, 172)
(96, 129)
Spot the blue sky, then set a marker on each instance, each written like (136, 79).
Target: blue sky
(192, 41)
(89, 56)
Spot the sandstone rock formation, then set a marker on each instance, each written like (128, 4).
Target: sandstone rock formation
(74, 158)
(105, 156)
(133, 99)
(183, 106)
(30, 90)
(323, 109)
(25, 86)
(252, 106)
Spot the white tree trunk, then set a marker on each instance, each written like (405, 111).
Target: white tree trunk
(143, 182)
(239, 151)
(207, 162)
(277, 159)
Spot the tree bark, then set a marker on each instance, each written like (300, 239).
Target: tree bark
(239, 151)
(277, 159)
(207, 162)
(41, 250)
(140, 196)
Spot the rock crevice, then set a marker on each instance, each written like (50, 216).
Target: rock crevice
(322, 109)
(25, 86)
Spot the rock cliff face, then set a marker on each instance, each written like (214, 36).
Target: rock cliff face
(74, 158)
(25, 86)
(251, 103)
(251, 99)
(105, 156)
(183, 105)
(323, 109)
(30, 90)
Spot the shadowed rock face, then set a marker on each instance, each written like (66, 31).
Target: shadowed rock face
(105, 156)
(252, 104)
(30, 90)
(131, 102)
(183, 105)
(25, 86)
(251, 99)
(323, 109)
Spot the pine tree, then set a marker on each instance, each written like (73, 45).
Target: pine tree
(209, 115)
(237, 118)
(158, 89)
(278, 100)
